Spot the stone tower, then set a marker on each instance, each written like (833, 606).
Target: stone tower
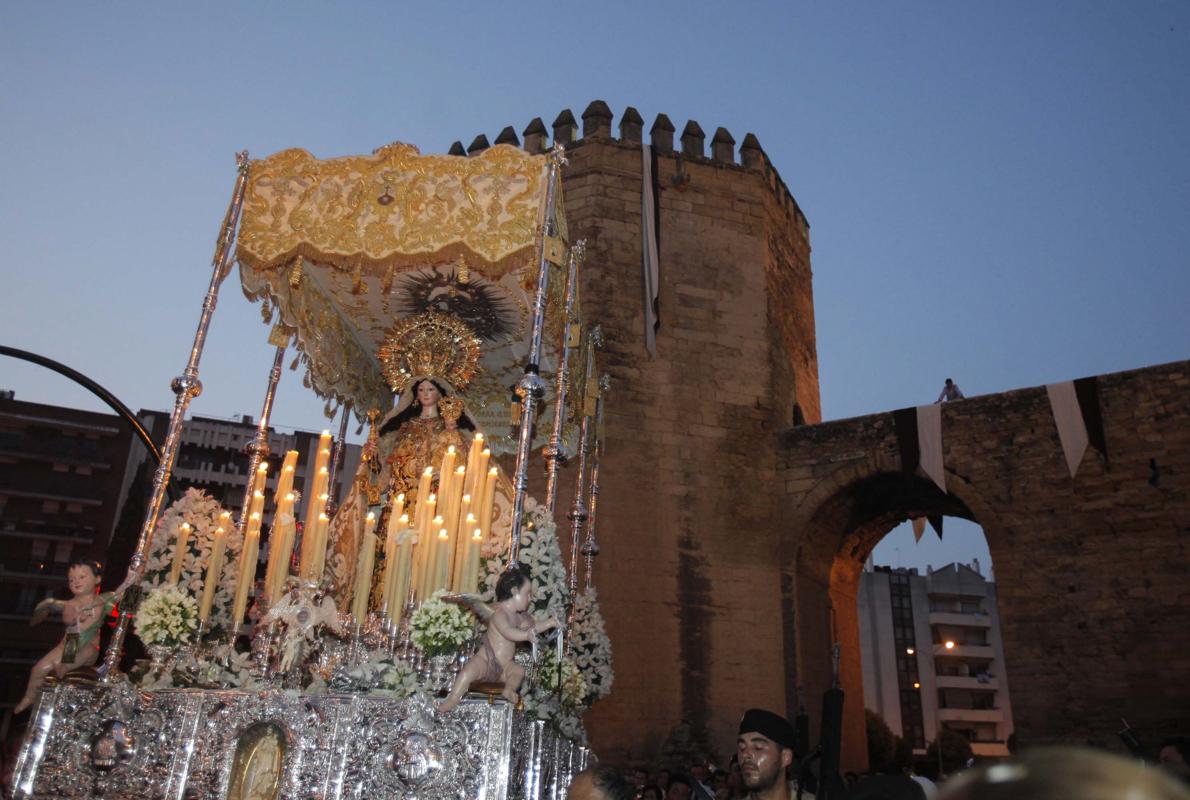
(688, 510)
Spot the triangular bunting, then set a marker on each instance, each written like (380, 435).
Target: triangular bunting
(650, 218)
(1068, 416)
(919, 528)
(936, 524)
(929, 443)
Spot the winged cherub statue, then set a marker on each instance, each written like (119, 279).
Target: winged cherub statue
(83, 614)
(508, 623)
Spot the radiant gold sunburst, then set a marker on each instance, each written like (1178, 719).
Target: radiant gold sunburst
(430, 345)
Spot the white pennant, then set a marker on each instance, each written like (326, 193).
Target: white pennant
(649, 258)
(1068, 416)
(929, 442)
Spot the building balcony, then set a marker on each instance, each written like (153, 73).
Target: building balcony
(990, 749)
(954, 618)
(965, 651)
(966, 682)
(971, 714)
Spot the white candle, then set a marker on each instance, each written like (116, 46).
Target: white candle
(364, 568)
(286, 528)
(485, 505)
(247, 573)
(470, 580)
(458, 539)
(399, 589)
(283, 511)
(180, 547)
(214, 567)
(473, 463)
(285, 478)
(442, 561)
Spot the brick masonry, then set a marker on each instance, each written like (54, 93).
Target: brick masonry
(728, 535)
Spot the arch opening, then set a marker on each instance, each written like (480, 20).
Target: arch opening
(832, 568)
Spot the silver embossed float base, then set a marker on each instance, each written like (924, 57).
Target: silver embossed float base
(119, 742)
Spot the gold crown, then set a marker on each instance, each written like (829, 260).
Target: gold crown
(430, 345)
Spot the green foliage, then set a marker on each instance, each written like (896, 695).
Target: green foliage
(955, 751)
(882, 742)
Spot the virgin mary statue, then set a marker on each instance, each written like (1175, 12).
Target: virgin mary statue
(425, 359)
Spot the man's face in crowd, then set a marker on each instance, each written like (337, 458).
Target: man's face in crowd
(762, 761)
(678, 791)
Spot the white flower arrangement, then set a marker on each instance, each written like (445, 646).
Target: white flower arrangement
(541, 557)
(202, 512)
(167, 616)
(591, 646)
(439, 628)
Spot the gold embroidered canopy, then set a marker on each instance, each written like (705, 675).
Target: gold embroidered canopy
(345, 248)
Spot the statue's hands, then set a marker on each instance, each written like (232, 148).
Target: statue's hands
(128, 581)
(369, 449)
(552, 623)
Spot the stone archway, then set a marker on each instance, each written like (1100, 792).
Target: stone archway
(1092, 570)
(840, 522)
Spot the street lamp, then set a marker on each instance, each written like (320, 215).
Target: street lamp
(909, 651)
(949, 644)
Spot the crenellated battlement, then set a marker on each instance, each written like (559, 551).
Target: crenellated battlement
(597, 125)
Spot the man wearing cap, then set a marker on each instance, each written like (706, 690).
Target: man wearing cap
(765, 750)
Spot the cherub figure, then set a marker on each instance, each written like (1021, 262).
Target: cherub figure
(83, 615)
(508, 623)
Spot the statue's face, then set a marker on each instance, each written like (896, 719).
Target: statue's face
(523, 596)
(762, 761)
(81, 580)
(428, 394)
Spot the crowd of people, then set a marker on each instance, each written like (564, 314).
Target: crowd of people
(766, 767)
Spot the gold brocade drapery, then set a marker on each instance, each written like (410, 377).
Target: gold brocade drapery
(342, 248)
(394, 208)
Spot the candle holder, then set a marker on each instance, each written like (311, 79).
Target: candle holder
(263, 637)
(233, 635)
(356, 650)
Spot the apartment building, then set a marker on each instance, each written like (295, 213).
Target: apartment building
(212, 458)
(933, 657)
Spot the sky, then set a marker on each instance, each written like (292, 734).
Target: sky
(997, 192)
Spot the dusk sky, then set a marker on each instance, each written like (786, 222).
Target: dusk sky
(997, 192)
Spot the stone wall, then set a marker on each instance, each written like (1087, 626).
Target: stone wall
(688, 521)
(732, 542)
(1092, 573)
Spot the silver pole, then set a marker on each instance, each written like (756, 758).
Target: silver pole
(578, 509)
(590, 546)
(531, 387)
(332, 504)
(258, 450)
(555, 455)
(185, 388)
